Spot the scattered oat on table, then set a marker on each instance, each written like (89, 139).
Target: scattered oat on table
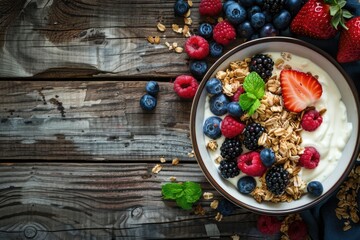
(208, 195)
(157, 168)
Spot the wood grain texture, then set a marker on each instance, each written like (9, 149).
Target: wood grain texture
(99, 37)
(112, 201)
(91, 120)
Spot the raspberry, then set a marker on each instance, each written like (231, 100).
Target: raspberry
(224, 33)
(230, 127)
(311, 120)
(235, 97)
(185, 86)
(210, 8)
(251, 164)
(268, 224)
(310, 158)
(197, 47)
(297, 230)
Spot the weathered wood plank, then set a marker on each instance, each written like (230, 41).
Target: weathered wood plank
(91, 120)
(98, 37)
(111, 201)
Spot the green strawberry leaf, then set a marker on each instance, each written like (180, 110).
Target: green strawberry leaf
(341, 3)
(246, 100)
(334, 9)
(346, 13)
(336, 20)
(172, 190)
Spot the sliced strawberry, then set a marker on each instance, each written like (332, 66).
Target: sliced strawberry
(299, 89)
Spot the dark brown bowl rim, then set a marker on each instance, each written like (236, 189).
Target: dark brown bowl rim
(193, 116)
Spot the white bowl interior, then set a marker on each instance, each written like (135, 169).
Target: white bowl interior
(343, 163)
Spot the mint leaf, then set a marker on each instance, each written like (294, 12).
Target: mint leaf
(254, 106)
(181, 202)
(192, 191)
(185, 193)
(254, 84)
(246, 100)
(172, 190)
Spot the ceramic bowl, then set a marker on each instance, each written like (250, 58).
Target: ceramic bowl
(349, 97)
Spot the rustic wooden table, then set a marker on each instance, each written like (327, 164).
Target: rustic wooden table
(76, 149)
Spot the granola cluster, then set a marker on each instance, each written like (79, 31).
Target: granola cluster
(347, 208)
(282, 127)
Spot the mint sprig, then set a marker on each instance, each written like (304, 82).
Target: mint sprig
(254, 87)
(185, 194)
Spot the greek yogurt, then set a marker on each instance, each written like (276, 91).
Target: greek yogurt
(329, 138)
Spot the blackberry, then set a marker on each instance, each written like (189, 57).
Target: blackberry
(231, 148)
(262, 64)
(228, 169)
(277, 179)
(252, 133)
(273, 6)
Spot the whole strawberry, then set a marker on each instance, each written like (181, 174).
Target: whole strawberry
(349, 43)
(210, 8)
(319, 19)
(224, 33)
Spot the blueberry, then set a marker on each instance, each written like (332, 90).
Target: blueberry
(148, 102)
(247, 3)
(218, 104)
(198, 68)
(246, 184)
(180, 8)
(152, 88)
(268, 16)
(211, 127)
(225, 207)
(293, 6)
(245, 30)
(257, 20)
(213, 86)
(268, 30)
(282, 20)
(235, 13)
(315, 188)
(226, 4)
(267, 157)
(252, 10)
(205, 30)
(234, 109)
(216, 49)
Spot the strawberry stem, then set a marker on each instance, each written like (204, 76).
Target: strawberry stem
(338, 13)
